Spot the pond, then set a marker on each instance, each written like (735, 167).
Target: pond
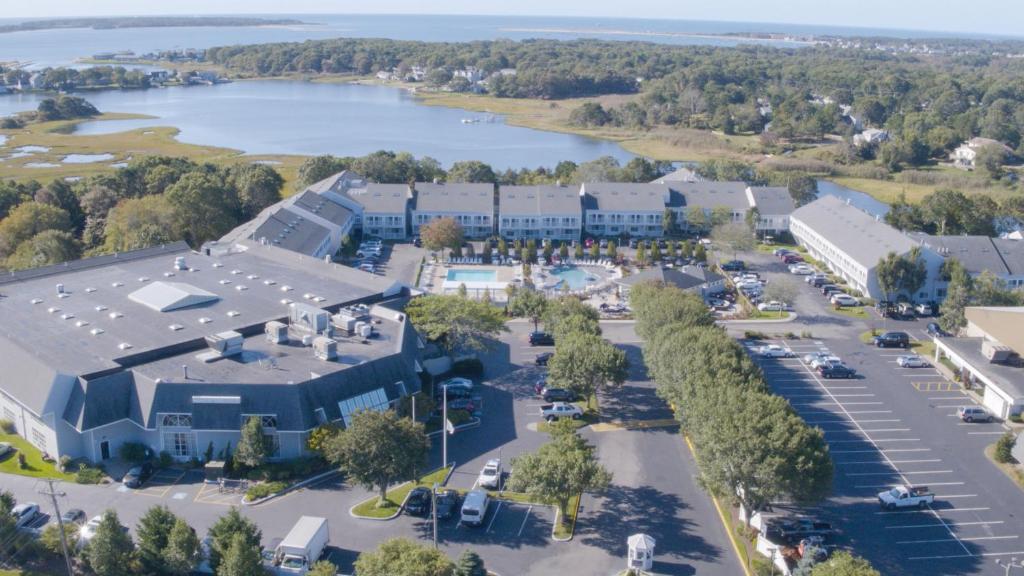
(86, 158)
(861, 200)
(296, 117)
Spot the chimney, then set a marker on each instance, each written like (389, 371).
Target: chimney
(184, 370)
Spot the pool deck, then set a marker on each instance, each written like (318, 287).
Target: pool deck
(434, 279)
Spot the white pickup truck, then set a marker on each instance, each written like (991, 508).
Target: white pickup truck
(905, 497)
(557, 410)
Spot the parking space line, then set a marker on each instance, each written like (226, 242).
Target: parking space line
(894, 462)
(884, 430)
(948, 496)
(496, 511)
(924, 510)
(818, 422)
(984, 433)
(965, 539)
(982, 523)
(525, 518)
(897, 471)
(983, 554)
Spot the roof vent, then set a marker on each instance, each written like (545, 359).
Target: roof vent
(269, 282)
(176, 327)
(81, 323)
(124, 346)
(319, 299)
(63, 295)
(218, 265)
(225, 282)
(117, 284)
(285, 301)
(60, 288)
(179, 263)
(205, 320)
(233, 313)
(286, 288)
(67, 316)
(236, 272)
(143, 279)
(308, 296)
(241, 287)
(168, 274)
(101, 308)
(253, 277)
(96, 331)
(90, 290)
(115, 315)
(37, 300)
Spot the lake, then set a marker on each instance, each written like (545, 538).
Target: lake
(861, 200)
(296, 117)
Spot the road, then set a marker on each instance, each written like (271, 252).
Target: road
(895, 425)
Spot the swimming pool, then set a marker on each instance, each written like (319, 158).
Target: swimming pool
(576, 278)
(463, 275)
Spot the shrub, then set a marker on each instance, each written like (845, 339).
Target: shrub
(459, 417)
(1004, 448)
(468, 367)
(790, 336)
(263, 490)
(22, 464)
(87, 475)
(7, 426)
(806, 334)
(754, 335)
(65, 463)
(132, 452)
(165, 459)
(1016, 418)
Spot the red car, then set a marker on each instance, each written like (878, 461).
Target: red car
(793, 258)
(588, 242)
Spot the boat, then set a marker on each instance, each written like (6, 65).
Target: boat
(470, 120)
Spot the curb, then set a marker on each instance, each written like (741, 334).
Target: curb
(293, 487)
(474, 423)
(572, 529)
(792, 316)
(401, 506)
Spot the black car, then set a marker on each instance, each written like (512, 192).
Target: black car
(447, 503)
(542, 359)
(417, 242)
(418, 502)
(541, 339)
(73, 516)
(892, 340)
(138, 475)
(734, 266)
(836, 370)
(454, 392)
(559, 395)
(935, 330)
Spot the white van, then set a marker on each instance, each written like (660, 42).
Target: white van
(474, 508)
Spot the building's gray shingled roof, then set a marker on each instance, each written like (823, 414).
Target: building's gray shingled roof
(382, 198)
(1012, 252)
(324, 207)
(855, 232)
(976, 253)
(539, 200)
(455, 197)
(712, 194)
(290, 231)
(773, 200)
(1009, 378)
(625, 196)
(684, 278)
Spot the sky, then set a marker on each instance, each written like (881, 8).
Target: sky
(976, 16)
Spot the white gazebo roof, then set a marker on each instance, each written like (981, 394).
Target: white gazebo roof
(641, 542)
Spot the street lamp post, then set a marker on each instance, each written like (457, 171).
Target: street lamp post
(444, 428)
(433, 508)
(1009, 566)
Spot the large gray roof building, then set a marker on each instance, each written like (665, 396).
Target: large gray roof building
(175, 348)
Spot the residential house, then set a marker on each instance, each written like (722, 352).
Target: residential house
(988, 354)
(618, 208)
(774, 205)
(696, 279)
(870, 137)
(965, 154)
(852, 242)
(707, 198)
(552, 212)
(1002, 257)
(469, 204)
(385, 209)
(307, 223)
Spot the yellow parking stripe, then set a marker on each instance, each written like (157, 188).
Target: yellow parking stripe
(943, 386)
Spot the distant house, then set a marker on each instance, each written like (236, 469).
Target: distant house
(870, 137)
(700, 281)
(965, 154)
(471, 73)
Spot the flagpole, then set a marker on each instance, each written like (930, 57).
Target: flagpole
(444, 429)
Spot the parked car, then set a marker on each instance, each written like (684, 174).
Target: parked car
(138, 475)
(446, 502)
(25, 514)
(792, 258)
(818, 281)
(772, 306)
(455, 393)
(457, 382)
(559, 395)
(781, 252)
(844, 300)
(542, 359)
(364, 252)
(912, 361)
(73, 516)
(474, 508)
(418, 502)
(734, 266)
(825, 359)
(924, 309)
(6, 449)
(905, 497)
(934, 329)
(801, 270)
(417, 242)
(632, 243)
(552, 412)
(490, 475)
(808, 358)
(826, 289)
(973, 414)
(541, 339)
(892, 340)
(774, 351)
(461, 404)
(836, 370)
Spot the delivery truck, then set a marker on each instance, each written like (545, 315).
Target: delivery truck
(303, 545)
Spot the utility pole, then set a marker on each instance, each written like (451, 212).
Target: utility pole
(1009, 566)
(444, 428)
(52, 493)
(433, 509)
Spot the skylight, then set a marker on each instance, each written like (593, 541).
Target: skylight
(168, 296)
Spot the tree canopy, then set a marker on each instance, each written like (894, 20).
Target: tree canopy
(403, 557)
(459, 324)
(441, 233)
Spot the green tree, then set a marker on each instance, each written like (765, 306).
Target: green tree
(378, 449)
(470, 564)
(613, 250)
(990, 160)
(110, 551)
(182, 554)
(668, 222)
(204, 206)
(258, 186)
(139, 223)
(595, 250)
(459, 324)
(585, 363)
(842, 563)
(734, 236)
(528, 303)
(578, 251)
(318, 168)
(566, 309)
(471, 171)
(700, 254)
(563, 468)
(563, 251)
(47, 247)
(781, 290)
(27, 220)
(441, 233)
(901, 274)
(656, 304)
(641, 253)
(152, 532)
(323, 568)
(1004, 448)
(403, 557)
(697, 219)
(225, 529)
(502, 248)
(241, 558)
(50, 538)
(252, 447)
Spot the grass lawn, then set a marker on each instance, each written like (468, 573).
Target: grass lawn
(923, 348)
(867, 337)
(564, 529)
(886, 190)
(1013, 470)
(35, 466)
(395, 496)
(851, 311)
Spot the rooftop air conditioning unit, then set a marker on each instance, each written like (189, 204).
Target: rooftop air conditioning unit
(995, 353)
(325, 348)
(226, 344)
(277, 332)
(179, 263)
